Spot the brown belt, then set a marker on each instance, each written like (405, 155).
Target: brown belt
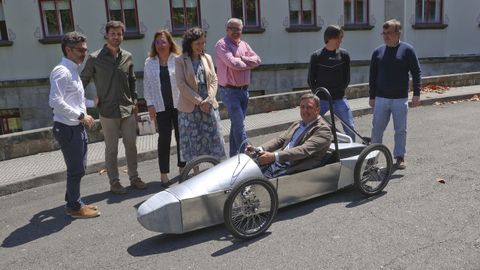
(242, 87)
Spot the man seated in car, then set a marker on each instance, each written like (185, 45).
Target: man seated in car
(301, 147)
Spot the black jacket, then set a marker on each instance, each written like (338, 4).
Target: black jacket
(330, 69)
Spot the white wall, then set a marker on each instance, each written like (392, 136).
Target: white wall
(29, 59)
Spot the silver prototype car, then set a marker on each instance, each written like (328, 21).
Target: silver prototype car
(236, 193)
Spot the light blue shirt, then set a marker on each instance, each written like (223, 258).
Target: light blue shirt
(67, 96)
(296, 135)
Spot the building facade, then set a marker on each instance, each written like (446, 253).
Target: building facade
(445, 33)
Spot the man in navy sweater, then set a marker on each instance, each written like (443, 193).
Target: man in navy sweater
(389, 84)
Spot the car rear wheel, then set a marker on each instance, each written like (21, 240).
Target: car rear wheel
(197, 166)
(373, 169)
(250, 208)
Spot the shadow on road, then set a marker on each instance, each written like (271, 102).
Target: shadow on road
(165, 243)
(41, 224)
(54, 220)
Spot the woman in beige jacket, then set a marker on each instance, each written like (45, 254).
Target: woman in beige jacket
(199, 120)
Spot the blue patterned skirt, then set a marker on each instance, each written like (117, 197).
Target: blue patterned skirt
(200, 134)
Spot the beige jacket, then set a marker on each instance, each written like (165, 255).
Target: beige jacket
(187, 82)
(309, 149)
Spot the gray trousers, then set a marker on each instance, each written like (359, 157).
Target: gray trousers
(113, 128)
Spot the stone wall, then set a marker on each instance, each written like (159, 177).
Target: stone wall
(41, 140)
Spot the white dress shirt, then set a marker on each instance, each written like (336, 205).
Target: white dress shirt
(67, 96)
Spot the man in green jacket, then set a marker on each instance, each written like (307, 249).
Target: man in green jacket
(111, 69)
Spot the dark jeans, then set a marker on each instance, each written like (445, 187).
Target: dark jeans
(236, 102)
(73, 142)
(165, 121)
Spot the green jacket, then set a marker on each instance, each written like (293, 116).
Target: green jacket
(114, 80)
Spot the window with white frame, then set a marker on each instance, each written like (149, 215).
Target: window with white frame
(184, 14)
(302, 13)
(57, 18)
(355, 12)
(124, 11)
(428, 11)
(248, 11)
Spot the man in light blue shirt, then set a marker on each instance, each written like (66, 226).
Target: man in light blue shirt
(70, 118)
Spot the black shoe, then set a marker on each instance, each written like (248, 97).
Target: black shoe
(165, 184)
(400, 164)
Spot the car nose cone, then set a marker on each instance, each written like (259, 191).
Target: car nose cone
(161, 213)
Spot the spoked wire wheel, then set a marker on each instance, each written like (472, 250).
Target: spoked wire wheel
(250, 208)
(373, 169)
(197, 166)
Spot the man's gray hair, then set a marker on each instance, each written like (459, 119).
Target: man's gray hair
(234, 20)
(311, 96)
(71, 39)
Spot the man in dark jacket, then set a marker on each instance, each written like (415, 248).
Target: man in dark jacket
(330, 68)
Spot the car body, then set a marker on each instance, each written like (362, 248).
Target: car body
(202, 201)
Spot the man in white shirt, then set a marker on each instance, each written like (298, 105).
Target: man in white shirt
(70, 118)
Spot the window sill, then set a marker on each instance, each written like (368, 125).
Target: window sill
(420, 26)
(303, 28)
(357, 27)
(51, 40)
(253, 30)
(5, 43)
(129, 36)
(178, 32)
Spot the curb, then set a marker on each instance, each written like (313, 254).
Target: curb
(95, 167)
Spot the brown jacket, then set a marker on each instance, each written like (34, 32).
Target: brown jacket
(187, 82)
(309, 150)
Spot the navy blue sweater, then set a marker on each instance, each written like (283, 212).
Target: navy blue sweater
(389, 71)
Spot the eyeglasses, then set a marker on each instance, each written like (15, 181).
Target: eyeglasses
(161, 42)
(234, 29)
(388, 33)
(80, 50)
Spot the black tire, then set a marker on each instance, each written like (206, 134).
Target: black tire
(205, 162)
(373, 169)
(250, 208)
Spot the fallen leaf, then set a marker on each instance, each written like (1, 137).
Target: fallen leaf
(475, 98)
(439, 89)
(125, 171)
(441, 180)
(102, 171)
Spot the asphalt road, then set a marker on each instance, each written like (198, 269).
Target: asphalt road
(417, 223)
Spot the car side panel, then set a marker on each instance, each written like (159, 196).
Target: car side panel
(308, 184)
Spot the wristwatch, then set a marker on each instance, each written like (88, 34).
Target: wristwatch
(82, 115)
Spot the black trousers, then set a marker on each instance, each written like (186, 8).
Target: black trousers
(167, 120)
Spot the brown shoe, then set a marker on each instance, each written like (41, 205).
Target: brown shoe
(400, 165)
(138, 183)
(83, 212)
(91, 206)
(117, 188)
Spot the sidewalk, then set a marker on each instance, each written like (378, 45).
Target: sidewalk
(45, 168)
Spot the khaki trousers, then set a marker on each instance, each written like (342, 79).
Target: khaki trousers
(113, 128)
